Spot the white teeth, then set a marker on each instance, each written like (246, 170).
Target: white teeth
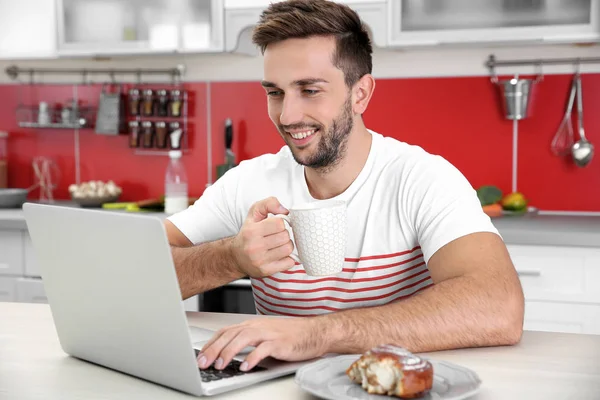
(303, 134)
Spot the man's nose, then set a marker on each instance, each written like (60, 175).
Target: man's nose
(291, 111)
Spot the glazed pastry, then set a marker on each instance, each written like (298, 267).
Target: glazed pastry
(393, 371)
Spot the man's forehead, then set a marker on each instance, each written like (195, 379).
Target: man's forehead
(294, 61)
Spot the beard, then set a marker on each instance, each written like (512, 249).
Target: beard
(332, 143)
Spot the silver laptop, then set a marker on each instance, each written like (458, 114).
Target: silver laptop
(115, 299)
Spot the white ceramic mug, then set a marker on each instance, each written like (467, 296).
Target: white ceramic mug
(319, 231)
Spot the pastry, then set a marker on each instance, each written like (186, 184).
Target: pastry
(393, 371)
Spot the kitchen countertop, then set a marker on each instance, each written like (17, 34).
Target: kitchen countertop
(542, 366)
(530, 229)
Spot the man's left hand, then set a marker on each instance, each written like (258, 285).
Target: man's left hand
(293, 339)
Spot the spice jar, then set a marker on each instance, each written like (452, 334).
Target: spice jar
(161, 135)
(148, 103)
(134, 134)
(175, 135)
(163, 103)
(176, 103)
(147, 134)
(134, 102)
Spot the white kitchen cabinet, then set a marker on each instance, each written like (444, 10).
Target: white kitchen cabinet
(562, 317)
(265, 3)
(433, 22)
(561, 285)
(89, 27)
(8, 289)
(31, 290)
(27, 29)
(31, 264)
(11, 253)
(558, 273)
(242, 16)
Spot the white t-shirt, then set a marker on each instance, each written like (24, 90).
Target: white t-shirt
(404, 205)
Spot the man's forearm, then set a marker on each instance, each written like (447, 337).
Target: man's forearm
(459, 312)
(204, 267)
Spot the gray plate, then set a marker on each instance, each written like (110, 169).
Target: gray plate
(327, 379)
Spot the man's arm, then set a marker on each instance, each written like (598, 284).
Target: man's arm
(203, 267)
(477, 300)
(261, 248)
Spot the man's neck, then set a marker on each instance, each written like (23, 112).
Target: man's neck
(327, 184)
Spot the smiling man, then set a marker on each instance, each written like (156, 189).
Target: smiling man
(425, 268)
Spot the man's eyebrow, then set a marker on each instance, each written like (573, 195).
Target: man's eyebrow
(268, 84)
(309, 81)
(299, 82)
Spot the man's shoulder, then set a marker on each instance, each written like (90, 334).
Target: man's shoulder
(396, 151)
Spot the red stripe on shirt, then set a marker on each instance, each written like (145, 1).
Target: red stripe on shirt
(260, 306)
(348, 280)
(339, 299)
(335, 289)
(375, 257)
(363, 269)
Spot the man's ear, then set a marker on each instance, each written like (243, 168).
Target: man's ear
(362, 92)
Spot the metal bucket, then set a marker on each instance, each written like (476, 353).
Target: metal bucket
(516, 97)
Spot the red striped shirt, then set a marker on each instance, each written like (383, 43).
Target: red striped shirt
(365, 281)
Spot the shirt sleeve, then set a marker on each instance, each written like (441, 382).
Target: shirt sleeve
(442, 205)
(213, 215)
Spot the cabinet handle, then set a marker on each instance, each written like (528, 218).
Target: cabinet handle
(529, 272)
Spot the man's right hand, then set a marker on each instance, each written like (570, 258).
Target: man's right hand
(263, 246)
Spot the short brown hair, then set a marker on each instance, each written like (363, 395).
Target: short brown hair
(306, 18)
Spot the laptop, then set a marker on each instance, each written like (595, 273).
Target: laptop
(115, 300)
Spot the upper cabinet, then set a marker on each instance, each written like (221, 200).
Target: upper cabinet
(27, 29)
(431, 22)
(105, 27)
(242, 15)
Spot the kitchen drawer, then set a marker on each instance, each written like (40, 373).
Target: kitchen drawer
(31, 290)
(8, 289)
(31, 265)
(558, 273)
(562, 317)
(11, 253)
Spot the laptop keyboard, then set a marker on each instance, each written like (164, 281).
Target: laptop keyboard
(232, 369)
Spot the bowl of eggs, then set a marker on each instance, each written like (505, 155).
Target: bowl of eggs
(94, 193)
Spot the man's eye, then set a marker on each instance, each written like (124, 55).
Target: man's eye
(310, 91)
(274, 93)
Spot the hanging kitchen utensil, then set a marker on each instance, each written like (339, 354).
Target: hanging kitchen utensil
(516, 94)
(583, 150)
(563, 139)
(229, 154)
(109, 120)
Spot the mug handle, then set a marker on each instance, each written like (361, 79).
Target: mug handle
(286, 219)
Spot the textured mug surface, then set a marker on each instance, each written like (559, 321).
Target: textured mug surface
(320, 231)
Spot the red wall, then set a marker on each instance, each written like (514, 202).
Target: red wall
(459, 118)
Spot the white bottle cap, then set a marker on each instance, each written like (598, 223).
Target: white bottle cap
(175, 154)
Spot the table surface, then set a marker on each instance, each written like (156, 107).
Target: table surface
(33, 366)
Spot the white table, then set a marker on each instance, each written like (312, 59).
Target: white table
(543, 366)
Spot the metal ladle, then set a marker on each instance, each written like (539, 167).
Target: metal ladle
(582, 150)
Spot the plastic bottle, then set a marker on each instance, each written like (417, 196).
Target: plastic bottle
(176, 184)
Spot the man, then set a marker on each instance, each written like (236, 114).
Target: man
(425, 268)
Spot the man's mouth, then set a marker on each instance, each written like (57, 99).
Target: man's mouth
(301, 137)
